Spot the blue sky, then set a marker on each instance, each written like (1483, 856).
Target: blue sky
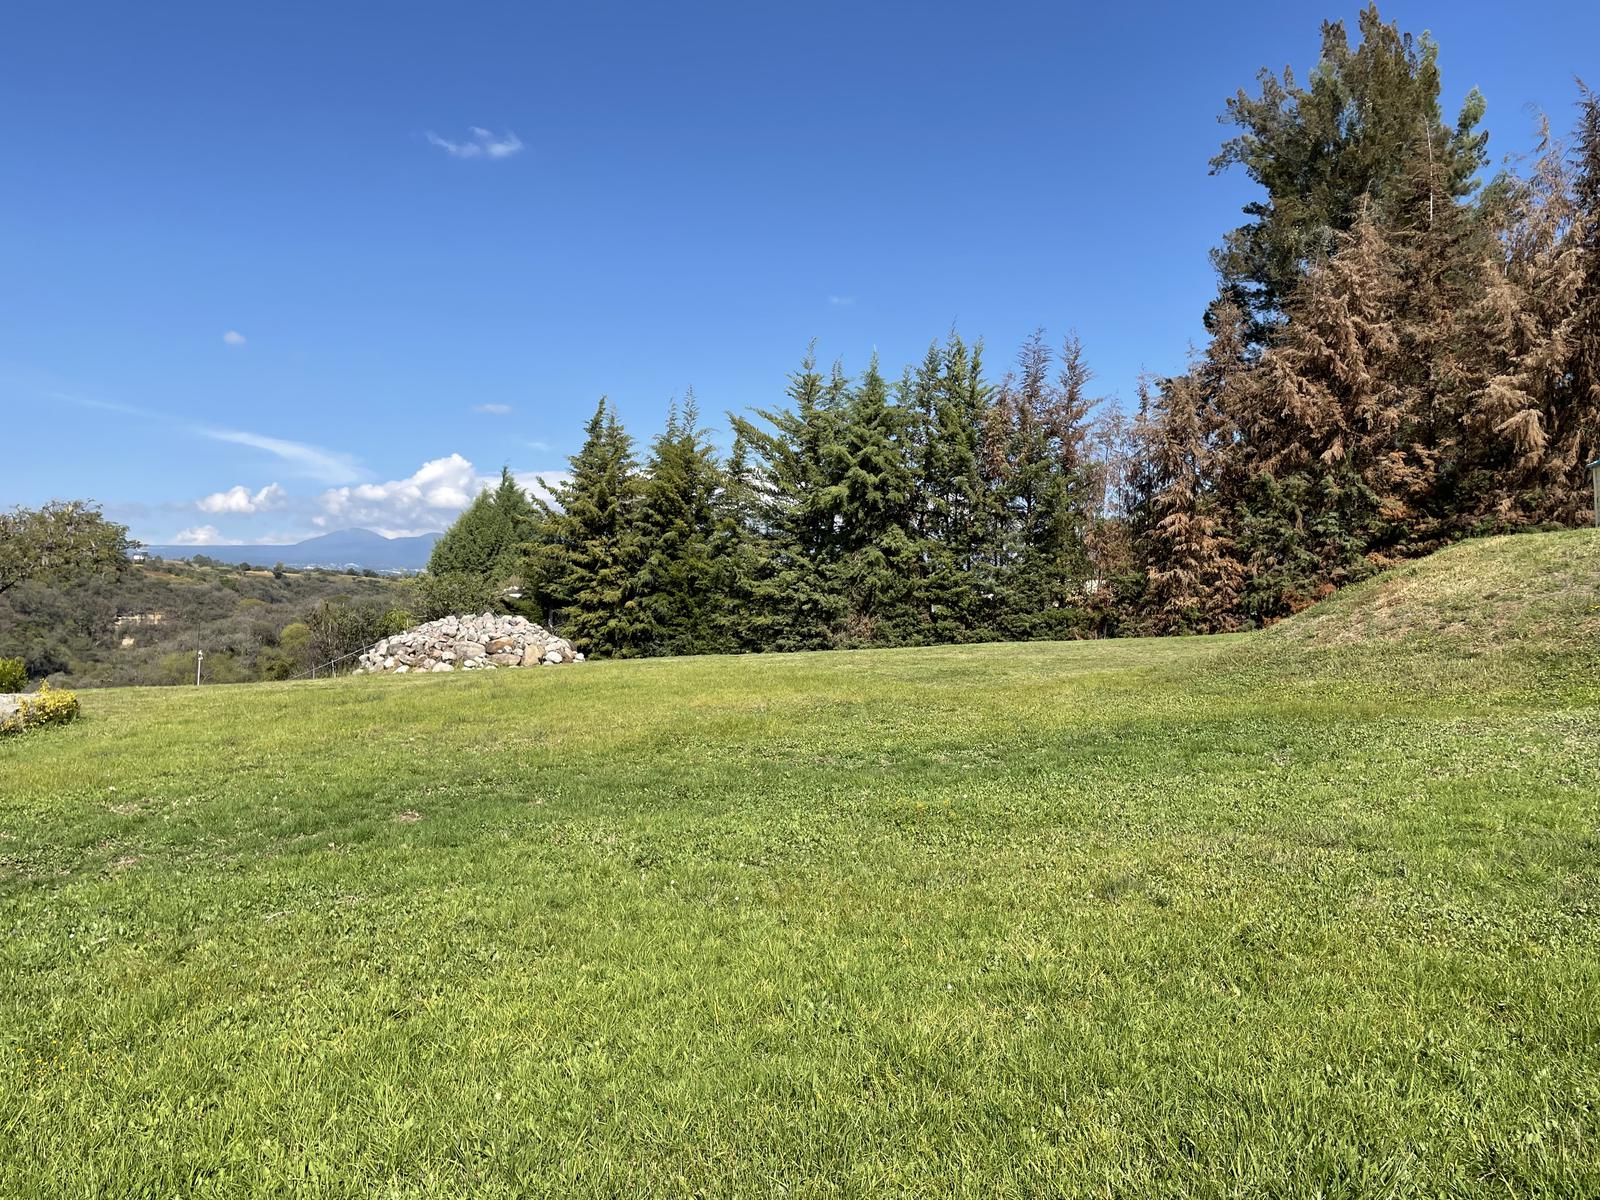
(271, 269)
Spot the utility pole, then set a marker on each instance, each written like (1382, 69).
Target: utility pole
(199, 657)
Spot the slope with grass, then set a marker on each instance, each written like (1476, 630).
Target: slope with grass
(1120, 918)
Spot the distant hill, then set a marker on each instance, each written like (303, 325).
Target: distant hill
(359, 548)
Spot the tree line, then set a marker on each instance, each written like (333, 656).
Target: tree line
(1399, 355)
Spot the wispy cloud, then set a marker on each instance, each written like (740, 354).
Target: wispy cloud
(240, 499)
(314, 462)
(841, 301)
(126, 410)
(480, 144)
(233, 338)
(493, 410)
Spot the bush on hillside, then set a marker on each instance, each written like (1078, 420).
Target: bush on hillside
(47, 706)
(454, 593)
(13, 674)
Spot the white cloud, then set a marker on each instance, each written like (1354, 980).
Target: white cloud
(841, 301)
(240, 499)
(234, 338)
(314, 462)
(200, 535)
(430, 498)
(481, 144)
(493, 410)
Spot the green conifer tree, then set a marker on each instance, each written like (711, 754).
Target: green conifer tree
(1326, 151)
(680, 585)
(586, 559)
(795, 490)
(878, 559)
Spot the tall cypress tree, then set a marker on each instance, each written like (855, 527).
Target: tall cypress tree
(795, 488)
(1195, 577)
(956, 587)
(469, 546)
(1041, 484)
(878, 559)
(679, 585)
(587, 558)
(486, 540)
(1348, 140)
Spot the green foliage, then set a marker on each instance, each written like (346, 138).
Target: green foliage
(1356, 137)
(63, 541)
(683, 588)
(13, 674)
(116, 629)
(487, 539)
(455, 593)
(588, 550)
(337, 628)
(47, 706)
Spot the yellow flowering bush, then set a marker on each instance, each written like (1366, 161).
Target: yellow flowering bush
(47, 706)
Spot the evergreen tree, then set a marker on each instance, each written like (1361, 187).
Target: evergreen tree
(796, 496)
(1042, 482)
(1194, 576)
(739, 550)
(878, 559)
(1527, 426)
(1336, 469)
(466, 548)
(586, 559)
(957, 595)
(679, 586)
(1585, 355)
(485, 541)
(1367, 120)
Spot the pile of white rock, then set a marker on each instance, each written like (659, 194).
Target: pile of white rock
(479, 643)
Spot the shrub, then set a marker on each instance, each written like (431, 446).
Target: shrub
(13, 674)
(47, 706)
(455, 593)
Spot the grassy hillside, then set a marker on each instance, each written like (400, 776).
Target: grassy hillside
(143, 626)
(1118, 918)
(1498, 615)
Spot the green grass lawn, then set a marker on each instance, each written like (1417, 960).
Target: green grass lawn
(1271, 915)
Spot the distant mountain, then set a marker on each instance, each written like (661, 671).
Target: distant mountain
(344, 548)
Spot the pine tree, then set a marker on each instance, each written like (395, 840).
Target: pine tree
(1194, 576)
(586, 560)
(469, 546)
(1337, 468)
(1042, 485)
(1330, 150)
(1526, 427)
(486, 540)
(739, 550)
(793, 483)
(679, 586)
(878, 561)
(1585, 357)
(956, 587)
